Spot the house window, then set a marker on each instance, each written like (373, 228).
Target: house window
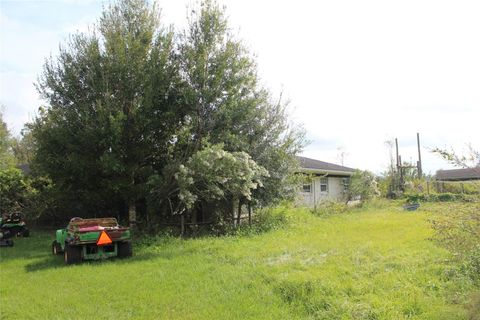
(323, 184)
(346, 184)
(307, 187)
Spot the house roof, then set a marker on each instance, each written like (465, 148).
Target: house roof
(321, 166)
(458, 174)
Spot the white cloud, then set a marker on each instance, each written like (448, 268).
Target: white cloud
(19, 97)
(360, 72)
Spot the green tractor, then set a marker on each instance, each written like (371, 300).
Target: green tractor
(12, 225)
(92, 239)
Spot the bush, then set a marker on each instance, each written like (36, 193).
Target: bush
(13, 190)
(329, 208)
(439, 197)
(458, 230)
(472, 187)
(363, 185)
(267, 219)
(263, 220)
(443, 197)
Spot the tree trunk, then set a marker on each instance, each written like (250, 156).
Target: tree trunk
(132, 214)
(234, 210)
(194, 220)
(182, 225)
(239, 214)
(249, 214)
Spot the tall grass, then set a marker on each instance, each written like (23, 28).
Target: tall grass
(375, 262)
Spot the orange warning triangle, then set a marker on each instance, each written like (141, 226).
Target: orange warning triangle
(104, 239)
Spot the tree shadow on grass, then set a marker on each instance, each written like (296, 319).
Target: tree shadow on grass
(26, 248)
(53, 262)
(49, 262)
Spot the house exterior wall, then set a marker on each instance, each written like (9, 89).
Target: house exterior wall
(335, 191)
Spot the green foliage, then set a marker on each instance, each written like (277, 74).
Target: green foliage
(13, 190)
(132, 101)
(467, 187)
(24, 147)
(446, 197)
(471, 159)
(228, 106)
(458, 230)
(7, 159)
(440, 197)
(33, 196)
(214, 174)
(367, 264)
(112, 108)
(326, 208)
(363, 185)
(265, 220)
(474, 307)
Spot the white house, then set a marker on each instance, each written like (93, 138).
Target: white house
(329, 181)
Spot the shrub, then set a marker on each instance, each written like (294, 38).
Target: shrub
(329, 208)
(13, 190)
(439, 197)
(363, 185)
(458, 230)
(472, 187)
(269, 219)
(263, 220)
(442, 197)
(415, 198)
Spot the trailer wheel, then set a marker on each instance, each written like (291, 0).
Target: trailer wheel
(56, 248)
(124, 249)
(72, 254)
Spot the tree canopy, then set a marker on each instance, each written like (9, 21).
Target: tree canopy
(6, 155)
(135, 111)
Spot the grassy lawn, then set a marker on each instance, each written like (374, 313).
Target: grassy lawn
(372, 263)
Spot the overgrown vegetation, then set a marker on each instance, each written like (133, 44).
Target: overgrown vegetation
(133, 108)
(326, 208)
(376, 262)
(440, 197)
(363, 186)
(457, 228)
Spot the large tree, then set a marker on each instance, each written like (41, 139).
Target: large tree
(131, 103)
(111, 107)
(229, 105)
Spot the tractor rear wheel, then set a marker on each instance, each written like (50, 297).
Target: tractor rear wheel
(72, 254)
(124, 249)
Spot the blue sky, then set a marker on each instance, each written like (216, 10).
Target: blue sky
(30, 32)
(357, 73)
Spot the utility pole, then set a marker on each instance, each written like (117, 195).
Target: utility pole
(401, 173)
(419, 162)
(396, 148)
(398, 183)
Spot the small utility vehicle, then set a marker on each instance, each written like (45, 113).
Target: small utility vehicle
(92, 239)
(12, 225)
